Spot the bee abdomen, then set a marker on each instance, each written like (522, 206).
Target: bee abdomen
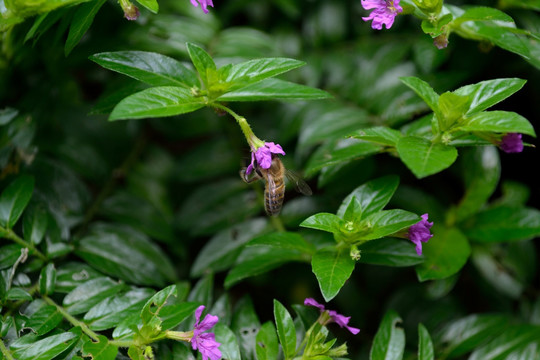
(273, 198)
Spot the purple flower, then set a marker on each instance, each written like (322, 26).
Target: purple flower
(419, 233)
(204, 4)
(263, 155)
(341, 320)
(131, 12)
(385, 12)
(205, 342)
(511, 143)
(441, 41)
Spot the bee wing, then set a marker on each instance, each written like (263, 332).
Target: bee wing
(299, 184)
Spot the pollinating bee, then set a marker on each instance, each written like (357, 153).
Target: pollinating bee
(274, 178)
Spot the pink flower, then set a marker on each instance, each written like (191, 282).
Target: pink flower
(419, 233)
(205, 342)
(385, 11)
(341, 320)
(263, 155)
(511, 143)
(204, 4)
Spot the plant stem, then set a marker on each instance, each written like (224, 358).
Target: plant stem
(5, 351)
(253, 141)
(71, 319)
(278, 224)
(9, 234)
(121, 343)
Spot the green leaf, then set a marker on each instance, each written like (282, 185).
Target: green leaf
(424, 90)
(229, 344)
(44, 349)
(35, 222)
(332, 269)
(203, 63)
(284, 240)
(151, 68)
(266, 345)
(151, 5)
(425, 345)
(245, 325)
(482, 13)
(452, 107)
(388, 222)
(379, 134)
(502, 224)
(82, 19)
(172, 315)
(446, 253)
(18, 294)
(85, 296)
(371, 196)
(389, 341)
(252, 71)
(126, 254)
(389, 252)
(498, 121)
(47, 279)
(488, 93)
(423, 157)
(14, 199)
(44, 320)
(514, 337)
(274, 89)
(285, 330)
(150, 311)
(323, 221)
(157, 102)
(100, 350)
(9, 255)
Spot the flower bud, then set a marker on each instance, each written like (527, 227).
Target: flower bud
(131, 12)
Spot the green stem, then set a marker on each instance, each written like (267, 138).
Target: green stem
(253, 141)
(121, 343)
(71, 319)
(5, 351)
(9, 234)
(277, 223)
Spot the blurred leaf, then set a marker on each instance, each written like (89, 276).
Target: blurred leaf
(16, 293)
(35, 222)
(73, 274)
(514, 337)
(9, 255)
(47, 279)
(498, 121)
(151, 68)
(425, 345)
(203, 290)
(445, 254)
(100, 350)
(389, 252)
(14, 199)
(332, 269)
(379, 135)
(482, 13)
(274, 89)
(28, 347)
(284, 240)
(151, 5)
(389, 341)
(85, 296)
(229, 344)
(285, 330)
(44, 320)
(82, 19)
(246, 325)
(267, 347)
(423, 157)
(487, 93)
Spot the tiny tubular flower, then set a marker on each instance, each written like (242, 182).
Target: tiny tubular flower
(419, 233)
(203, 341)
(204, 4)
(341, 320)
(131, 12)
(511, 143)
(263, 156)
(384, 13)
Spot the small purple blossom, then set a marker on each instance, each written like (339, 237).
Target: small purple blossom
(385, 11)
(263, 156)
(204, 4)
(419, 233)
(341, 320)
(131, 12)
(441, 41)
(205, 342)
(511, 143)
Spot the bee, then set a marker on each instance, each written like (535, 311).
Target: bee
(274, 189)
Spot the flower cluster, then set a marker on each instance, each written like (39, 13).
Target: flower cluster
(203, 341)
(511, 143)
(339, 319)
(263, 156)
(384, 13)
(204, 4)
(419, 233)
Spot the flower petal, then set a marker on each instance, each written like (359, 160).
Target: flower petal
(312, 302)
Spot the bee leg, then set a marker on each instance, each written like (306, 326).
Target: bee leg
(249, 178)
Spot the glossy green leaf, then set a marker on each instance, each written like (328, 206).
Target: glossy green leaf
(482, 13)
(498, 121)
(44, 349)
(229, 344)
(73, 274)
(379, 134)
(445, 254)
(323, 221)
(285, 330)
(425, 345)
(452, 107)
(514, 337)
(424, 90)
(158, 101)
(389, 252)
(332, 269)
(274, 89)
(47, 279)
(284, 240)
(150, 311)
(100, 350)
(256, 70)
(202, 62)
(44, 320)
(487, 93)
(389, 341)
(388, 222)
(82, 19)
(7, 114)
(35, 222)
(14, 199)
(16, 293)
(9, 255)
(266, 346)
(423, 157)
(503, 223)
(151, 5)
(371, 196)
(85, 296)
(151, 68)
(172, 315)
